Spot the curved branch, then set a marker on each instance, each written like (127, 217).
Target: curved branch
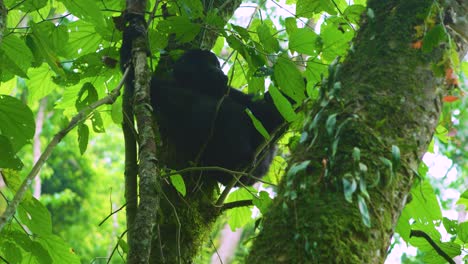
(422, 234)
(236, 204)
(75, 121)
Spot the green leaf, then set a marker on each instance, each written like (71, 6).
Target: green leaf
(158, 40)
(15, 55)
(256, 85)
(433, 38)
(330, 124)
(364, 211)
(356, 154)
(184, 29)
(239, 216)
(349, 187)
(82, 39)
(97, 122)
(451, 226)
(291, 25)
(32, 5)
(41, 38)
(270, 43)
(336, 36)
(263, 201)
(282, 104)
(11, 252)
(257, 124)
(16, 122)
(395, 157)
(430, 255)
(86, 10)
(463, 232)
(353, 13)
(403, 225)
(191, 8)
(298, 168)
(304, 40)
(289, 79)
(363, 185)
(40, 83)
(83, 137)
(123, 245)
(86, 96)
(35, 216)
(178, 183)
(307, 8)
(315, 71)
(116, 111)
(424, 206)
(8, 158)
(243, 32)
(59, 251)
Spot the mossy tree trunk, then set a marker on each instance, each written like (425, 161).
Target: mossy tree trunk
(385, 97)
(186, 221)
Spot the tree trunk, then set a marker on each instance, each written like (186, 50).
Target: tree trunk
(386, 100)
(186, 221)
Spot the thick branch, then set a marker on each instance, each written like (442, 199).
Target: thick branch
(149, 184)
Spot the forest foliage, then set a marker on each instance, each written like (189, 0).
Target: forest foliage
(64, 55)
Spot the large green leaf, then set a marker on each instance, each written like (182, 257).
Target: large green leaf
(184, 29)
(336, 35)
(41, 37)
(239, 216)
(58, 250)
(16, 121)
(83, 38)
(307, 8)
(289, 79)
(16, 56)
(305, 40)
(86, 10)
(282, 104)
(270, 43)
(424, 206)
(35, 216)
(40, 83)
(8, 158)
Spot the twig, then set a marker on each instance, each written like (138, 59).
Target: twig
(112, 213)
(116, 246)
(422, 234)
(235, 204)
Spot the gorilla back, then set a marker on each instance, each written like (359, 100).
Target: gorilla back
(206, 120)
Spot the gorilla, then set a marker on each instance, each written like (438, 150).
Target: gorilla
(207, 122)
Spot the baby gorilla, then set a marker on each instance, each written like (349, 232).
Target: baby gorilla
(206, 120)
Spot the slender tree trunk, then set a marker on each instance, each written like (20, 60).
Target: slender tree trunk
(384, 94)
(3, 17)
(37, 145)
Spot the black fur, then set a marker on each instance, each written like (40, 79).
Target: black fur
(188, 115)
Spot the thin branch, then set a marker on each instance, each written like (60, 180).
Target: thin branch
(116, 246)
(422, 234)
(75, 121)
(112, 213)
(236, 204)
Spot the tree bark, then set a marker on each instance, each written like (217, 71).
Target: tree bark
(186, 221)
(37, 144)
(3, 17)
(384, 94)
